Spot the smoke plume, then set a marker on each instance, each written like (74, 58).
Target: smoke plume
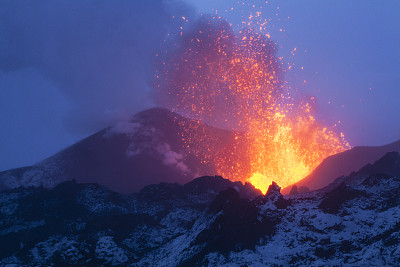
(212, 73)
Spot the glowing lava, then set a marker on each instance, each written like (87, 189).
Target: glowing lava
(235, 80)
(289, 150)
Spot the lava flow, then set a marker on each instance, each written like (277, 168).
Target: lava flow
(234, 80)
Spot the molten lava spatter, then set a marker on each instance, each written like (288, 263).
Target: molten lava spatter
(289, 149)
(235, 80)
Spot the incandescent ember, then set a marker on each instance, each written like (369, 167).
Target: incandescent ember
(235, 80)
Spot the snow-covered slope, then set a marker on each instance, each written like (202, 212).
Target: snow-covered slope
(207, 222)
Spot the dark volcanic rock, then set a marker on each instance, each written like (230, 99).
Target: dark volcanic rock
(324, 252)
(200, 190)
(43, 213)
(163, 192)
(334, 200)
(273, 188)
(375, 179)
(274, 196)
(238, 225)
(204, 223)
(89, 212)
(212, 185)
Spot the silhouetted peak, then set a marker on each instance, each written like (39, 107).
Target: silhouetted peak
(273, 198)
(216, 184)
(205, 182)
(273, 188)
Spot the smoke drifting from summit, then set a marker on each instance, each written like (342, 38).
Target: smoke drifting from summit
(69, 68)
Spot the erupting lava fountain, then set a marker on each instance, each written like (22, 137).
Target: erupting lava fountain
(235, 80)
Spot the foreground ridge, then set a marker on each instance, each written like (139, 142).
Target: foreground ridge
(209, 221)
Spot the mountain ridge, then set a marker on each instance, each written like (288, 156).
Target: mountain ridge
(208, 221)
(343, 164)
(151, 148)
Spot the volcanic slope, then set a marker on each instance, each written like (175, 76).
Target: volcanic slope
(158, 145)
(343, 164)
(150, 148)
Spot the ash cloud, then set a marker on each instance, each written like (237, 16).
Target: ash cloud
(211, 72)
(96, 53)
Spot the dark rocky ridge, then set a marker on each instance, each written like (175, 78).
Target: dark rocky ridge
(83, 211)
(209, 221)
(387, 166)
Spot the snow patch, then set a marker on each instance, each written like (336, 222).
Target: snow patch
(110, 252)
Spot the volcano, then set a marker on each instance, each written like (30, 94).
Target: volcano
(145, 150)
(155, 146)
(65, 215)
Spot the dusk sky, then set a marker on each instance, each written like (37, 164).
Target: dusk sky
(71, 68)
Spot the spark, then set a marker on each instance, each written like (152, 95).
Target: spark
(218, 76)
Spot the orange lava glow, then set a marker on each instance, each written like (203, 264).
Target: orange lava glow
(235, 80)
(286, 150)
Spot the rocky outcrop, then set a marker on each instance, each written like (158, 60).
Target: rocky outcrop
(238, 224)
(273, 198)
(210, 221)
(334, 199)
